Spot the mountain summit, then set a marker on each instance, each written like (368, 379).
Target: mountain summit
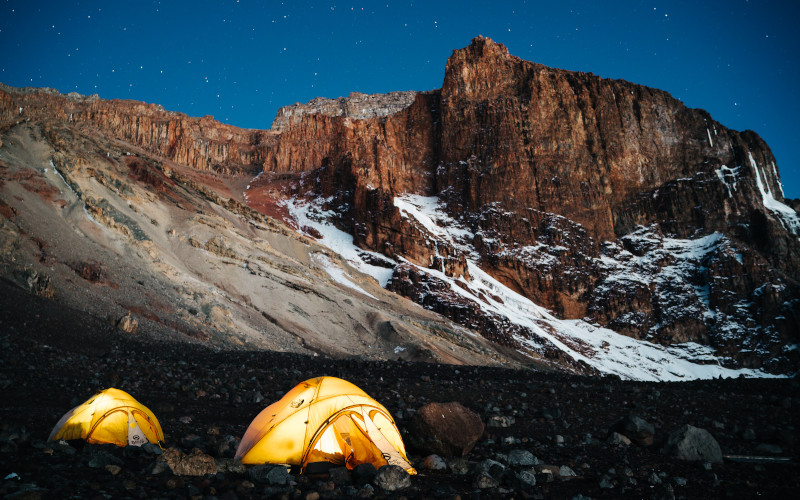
(572, 221)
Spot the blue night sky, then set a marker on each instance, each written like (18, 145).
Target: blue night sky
(241, 60)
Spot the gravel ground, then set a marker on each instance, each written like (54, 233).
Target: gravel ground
(52, 359)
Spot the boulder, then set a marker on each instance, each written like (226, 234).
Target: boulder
(635, 428)
(693, 444)
(447, 429)
(196, 464)
(392, 478)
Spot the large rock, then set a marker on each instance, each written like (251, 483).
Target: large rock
(635, 428)
(196, 464)
(392, 478)
(447, 429)
(693, 444)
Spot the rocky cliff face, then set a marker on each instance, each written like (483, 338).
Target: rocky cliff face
(576, 191)
(517, 187)
(202, 143)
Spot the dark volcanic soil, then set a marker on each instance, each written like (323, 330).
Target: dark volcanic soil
(52, 359)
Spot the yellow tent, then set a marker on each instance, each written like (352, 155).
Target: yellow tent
(325, 419)
(110, 416)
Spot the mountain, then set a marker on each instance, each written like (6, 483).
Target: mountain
(573, 222)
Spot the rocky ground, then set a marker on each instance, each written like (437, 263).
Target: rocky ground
(543, 428)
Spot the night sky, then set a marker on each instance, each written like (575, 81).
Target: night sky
(241, 60)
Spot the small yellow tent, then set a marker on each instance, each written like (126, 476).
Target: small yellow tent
(325, 419)
(110, 416)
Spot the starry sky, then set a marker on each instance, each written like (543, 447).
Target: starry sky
(240, 60)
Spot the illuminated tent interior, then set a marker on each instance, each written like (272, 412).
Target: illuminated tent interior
(325, 419)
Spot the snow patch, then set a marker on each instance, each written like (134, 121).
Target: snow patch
(785, 214)
(311, 215)
(729, 177)
(710, 142)
(338, 274)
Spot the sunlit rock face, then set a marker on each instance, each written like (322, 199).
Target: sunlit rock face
(517, 189)
(589, 196)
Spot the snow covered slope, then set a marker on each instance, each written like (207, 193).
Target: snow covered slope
(535, 328)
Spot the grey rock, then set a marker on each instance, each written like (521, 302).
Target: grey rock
(500, 421)
(392, 478)
(636, 429)
(521, 458)
(340, 475)
(364, 473)
(229, 465)
(366, 491)
(268, 474)
(749, 434)
(152, 449)
(606, 482)
(458, 466)
(434, 462)
(526, 478)
(693, 444)
(101, 458)
(490, 467)
(483, 480)
(566, 473)
(617, 439)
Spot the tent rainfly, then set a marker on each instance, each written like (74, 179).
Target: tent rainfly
(110, 416)
(325, 419)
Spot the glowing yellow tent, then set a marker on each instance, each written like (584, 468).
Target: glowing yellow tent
(110, 416)
(325, 419)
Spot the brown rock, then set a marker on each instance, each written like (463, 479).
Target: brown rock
(447, 429)
(128, 323)
(196, 464)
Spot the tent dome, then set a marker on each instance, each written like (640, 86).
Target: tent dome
(324, 419)
(110, 416)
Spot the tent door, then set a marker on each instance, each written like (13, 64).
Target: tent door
(136, 436)
(391, 455)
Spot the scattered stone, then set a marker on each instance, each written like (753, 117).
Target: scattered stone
(196, 464)
(269, 474)
(566, 473)
(152, 449)
(500, 421)
(749, 434)
(229, 465)
(101, 458)
(128, 323)
(617, 439)
(559, 439)
(458, 466)
(364, 473)
(521, 458)
(366, 491)
(636, 429)
(693, 444)
(483, 481)
(606, 482)
(340, 475)
(492, 467)
(434, 462)
(392, 478)
(447, 429)
(526, 479)
(113, 469)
